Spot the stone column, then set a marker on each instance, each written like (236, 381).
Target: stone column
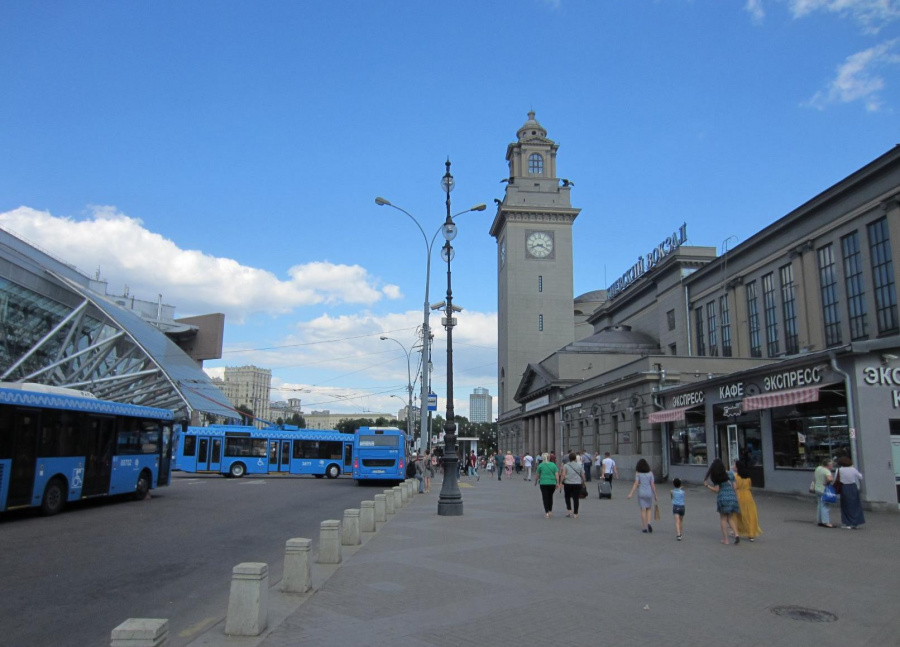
(350, 529)
(404, 492)
(381, 508)
(297, 569)
(389, 503)
(398, 498)
(330, 542)
(367, 516)
(141, 632)
(249, 600)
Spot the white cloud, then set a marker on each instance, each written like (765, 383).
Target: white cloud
(871, 14)
(151, 264)
(857, 79)
(756, 10)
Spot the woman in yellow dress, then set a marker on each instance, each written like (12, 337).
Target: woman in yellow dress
(747, 519)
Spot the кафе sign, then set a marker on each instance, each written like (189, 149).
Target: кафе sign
(793, 379)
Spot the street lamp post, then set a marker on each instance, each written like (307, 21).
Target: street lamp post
(424, 432)
(409, 389)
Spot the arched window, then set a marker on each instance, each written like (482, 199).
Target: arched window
(535, 164)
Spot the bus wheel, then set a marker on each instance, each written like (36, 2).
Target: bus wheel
(333, 471)
(142, 488)
(237, 470)
(54, 497)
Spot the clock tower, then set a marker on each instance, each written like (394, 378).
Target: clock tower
(533, 229)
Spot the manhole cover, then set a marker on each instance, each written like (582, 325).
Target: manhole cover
(804, 614)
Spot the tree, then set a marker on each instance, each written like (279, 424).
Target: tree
(297, 420)
(247, 417)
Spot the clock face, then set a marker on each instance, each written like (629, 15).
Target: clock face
(539, 244)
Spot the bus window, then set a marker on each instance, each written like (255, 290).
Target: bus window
(190, 445)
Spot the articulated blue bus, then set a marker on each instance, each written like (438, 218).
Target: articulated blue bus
(234, 450)
(59, 445)
(379, 454)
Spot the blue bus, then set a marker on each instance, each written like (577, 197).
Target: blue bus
(234, 450)
(59, 445)
(380, 454)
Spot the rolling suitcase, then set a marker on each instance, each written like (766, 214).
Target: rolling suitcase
(604, 489)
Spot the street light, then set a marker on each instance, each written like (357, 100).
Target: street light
(424, 432)
(409, 389)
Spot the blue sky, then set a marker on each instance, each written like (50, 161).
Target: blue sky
(227, 154)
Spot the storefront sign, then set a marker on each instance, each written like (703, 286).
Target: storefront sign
(569, 407)
(793, 379)
(646, 263)
(732, 410)
(883, 376)
(731, 391)
(687, 399)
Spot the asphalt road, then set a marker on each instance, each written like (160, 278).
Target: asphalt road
(68, 580)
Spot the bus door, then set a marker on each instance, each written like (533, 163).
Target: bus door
(348, 458)
(209, 454)
(24, 458)
(279, 456)
(99, 453)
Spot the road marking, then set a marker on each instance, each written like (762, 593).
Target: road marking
(198, 628)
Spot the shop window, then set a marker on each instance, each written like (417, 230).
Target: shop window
(636, 432)
(673, 349)
(725, 326)
(535, 164)
(687, 442)
(701, 338)
(828, 283)
(804, 435)
(855, 287)
(883, 277)
(753, 320)
(670, 319)
(789, 309)
(711, 328)
(615, 433)
(768, 282)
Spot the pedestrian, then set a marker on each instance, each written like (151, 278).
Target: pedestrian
(548, 478)
(490, 464)
(420, 474)
(726, 500)
(498, 460)
(508, 462)
(609, 470)
(429, 470)
(518, 460)
(747, 518)
(573, 480)
(823, 477)
(529, 464)
(473, 465)
(852, 516)
(645, 484)
(587, 460)
(677, 495)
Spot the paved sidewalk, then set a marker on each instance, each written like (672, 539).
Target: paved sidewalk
(502, 574)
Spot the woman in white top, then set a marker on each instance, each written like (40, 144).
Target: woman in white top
(852, 516)
(573, 478)
(823, 477)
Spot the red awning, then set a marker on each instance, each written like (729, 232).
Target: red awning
(782, 398)
(670, 415)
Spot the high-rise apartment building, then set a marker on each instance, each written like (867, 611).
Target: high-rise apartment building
(249, 386)
(481, 406)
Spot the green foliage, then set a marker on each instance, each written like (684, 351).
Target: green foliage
(247, 418)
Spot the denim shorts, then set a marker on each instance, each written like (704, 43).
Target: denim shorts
(678, 509)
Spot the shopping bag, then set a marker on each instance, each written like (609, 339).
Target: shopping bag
(829, 496)
(656, 512)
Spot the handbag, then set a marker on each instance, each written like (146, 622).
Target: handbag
(837, 486)
(656, 516)
(812, 487)
(583, 492)
(829, 495)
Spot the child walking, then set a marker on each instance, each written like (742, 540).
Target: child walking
(678, 507)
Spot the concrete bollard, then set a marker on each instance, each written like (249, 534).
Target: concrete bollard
(404, 492)
(350, 528)
(398, 498)
(389, 503)
(248, 604)
(297, 569)
(141, 632)
(381, 508)
(330, 542)
(367, 516)
(413, 487)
